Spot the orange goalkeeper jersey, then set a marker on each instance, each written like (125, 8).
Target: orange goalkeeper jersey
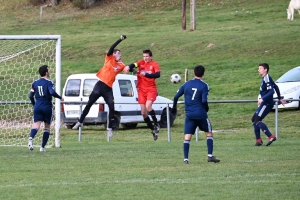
(107, 74)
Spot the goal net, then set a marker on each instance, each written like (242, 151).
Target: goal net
(20, 58)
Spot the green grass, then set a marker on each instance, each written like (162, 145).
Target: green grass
(132, 165)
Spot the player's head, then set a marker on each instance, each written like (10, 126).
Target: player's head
(147, 55)
(117, 54)
(43, 70)
(199, 71)
(263, 69)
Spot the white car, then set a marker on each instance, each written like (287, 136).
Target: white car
(289, 86)
(78, 87)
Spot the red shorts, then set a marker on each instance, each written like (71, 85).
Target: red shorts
(147, 95)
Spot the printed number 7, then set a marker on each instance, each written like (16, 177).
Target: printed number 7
(195, 91)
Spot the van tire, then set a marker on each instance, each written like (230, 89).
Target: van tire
(163, 119)
(116, 124)
(129, 125)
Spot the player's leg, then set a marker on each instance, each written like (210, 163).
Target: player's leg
(205, 125)
(37, 118)
(189, 130)
(151, 97)
(142, 99)
(96, 93)
(109, 99)
(255, 119)
(262, 113)
(47, 121)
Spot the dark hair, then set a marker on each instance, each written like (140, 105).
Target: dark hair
(199, 71)
(265, 66)
(149, 52)
(43, 70)
(115, 50)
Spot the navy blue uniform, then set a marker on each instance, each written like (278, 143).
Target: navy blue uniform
(196, 106)
(266, 92)
(43, 90)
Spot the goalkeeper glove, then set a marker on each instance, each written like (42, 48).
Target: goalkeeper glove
(123, 37)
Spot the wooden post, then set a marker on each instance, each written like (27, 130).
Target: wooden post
(183, 23)
(193, 14)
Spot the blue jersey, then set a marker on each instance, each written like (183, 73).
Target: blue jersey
(267, 89)
(43, 90)
(195, 98)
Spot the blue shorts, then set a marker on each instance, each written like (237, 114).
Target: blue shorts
(43, 114)
(263, 110)
(191, 125)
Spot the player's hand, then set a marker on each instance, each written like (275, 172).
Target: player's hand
(126, 69)
(123, 37)
(282, 102)
(174, 111)
(62, 99)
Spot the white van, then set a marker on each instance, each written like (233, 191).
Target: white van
(78, 87)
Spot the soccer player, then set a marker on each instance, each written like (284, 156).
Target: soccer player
(195, 94)
(148, 72)
(265, 104)
(113, 65)
(41, 93)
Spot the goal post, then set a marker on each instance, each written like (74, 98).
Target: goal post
(20, 58)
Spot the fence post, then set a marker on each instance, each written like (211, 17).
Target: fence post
(276, 118)
(168, 123)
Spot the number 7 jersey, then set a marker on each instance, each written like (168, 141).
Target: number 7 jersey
(195, 94)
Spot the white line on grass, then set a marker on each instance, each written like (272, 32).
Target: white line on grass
(157, 181)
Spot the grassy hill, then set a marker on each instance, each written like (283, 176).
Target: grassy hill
(243, 33)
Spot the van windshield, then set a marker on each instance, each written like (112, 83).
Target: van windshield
(88, 86)
(73, 87)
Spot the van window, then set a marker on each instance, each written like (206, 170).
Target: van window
(88, 86)
(73, 87)
(126, 88)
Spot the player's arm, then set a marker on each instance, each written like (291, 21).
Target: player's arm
(52, 91)
(269, 94)
(205, 98)
(278, 94)
(176, 97)
(156, 75)
(31, 96)
(111, 50)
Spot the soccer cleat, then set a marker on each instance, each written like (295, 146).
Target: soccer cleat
(110, 132)
(186, 161)
(155, 136)
(272, 138)
(258, 143)
(42, 149)
(212, 159)
(156, 128)
(77, 125)
(30, 144)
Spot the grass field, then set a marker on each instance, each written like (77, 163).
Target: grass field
(132, 165)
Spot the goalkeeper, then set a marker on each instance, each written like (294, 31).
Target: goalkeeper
(43, 91)
(103, 88)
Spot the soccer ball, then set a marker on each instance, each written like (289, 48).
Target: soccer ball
(175, 78)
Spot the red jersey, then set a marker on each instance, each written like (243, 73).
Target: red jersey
(107, 74)
(151, 68)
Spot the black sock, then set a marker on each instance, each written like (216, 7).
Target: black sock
(149, 123)
(152, 113)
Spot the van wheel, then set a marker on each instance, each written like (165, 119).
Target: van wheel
(163, 119)
(129, 125)
(116, 123)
